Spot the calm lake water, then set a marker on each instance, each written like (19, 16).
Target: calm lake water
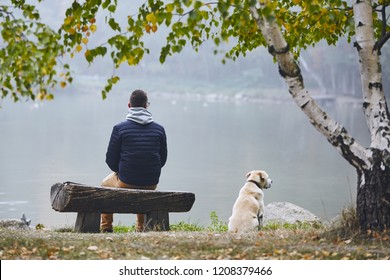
(211, 146)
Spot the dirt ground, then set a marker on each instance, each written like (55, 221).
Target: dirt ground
(271, 244)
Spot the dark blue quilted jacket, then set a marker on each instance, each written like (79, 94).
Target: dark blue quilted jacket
(137, 152)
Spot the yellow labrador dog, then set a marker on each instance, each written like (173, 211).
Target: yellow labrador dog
(248, 209)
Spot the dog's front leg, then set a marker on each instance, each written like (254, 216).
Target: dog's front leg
(260, 220)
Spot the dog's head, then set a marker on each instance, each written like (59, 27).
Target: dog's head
(260, 177)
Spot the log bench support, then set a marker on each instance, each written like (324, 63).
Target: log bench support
(87, 222)
(90, 201)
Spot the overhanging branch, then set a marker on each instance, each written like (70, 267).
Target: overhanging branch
(335, 133)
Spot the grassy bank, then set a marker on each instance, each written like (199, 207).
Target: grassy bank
(186, 241)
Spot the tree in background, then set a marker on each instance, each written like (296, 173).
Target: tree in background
(285, 27)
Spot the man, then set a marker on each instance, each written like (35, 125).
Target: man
(136, 153)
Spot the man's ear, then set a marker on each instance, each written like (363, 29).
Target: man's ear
(129, 105)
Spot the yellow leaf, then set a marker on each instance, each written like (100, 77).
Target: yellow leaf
(296, 2)
(71, 31)
(93, 28)
(41, 96)
(170, 8)
(85, 40)
(123, 59)
(152, 18)
(63, 84)
(68, 20)
(131, 61)
(79, 48)
(325, 253)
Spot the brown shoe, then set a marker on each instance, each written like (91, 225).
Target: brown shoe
(106, 230)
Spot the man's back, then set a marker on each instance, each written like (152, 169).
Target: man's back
(137, 152)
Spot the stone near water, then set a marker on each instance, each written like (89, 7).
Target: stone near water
(286, 212)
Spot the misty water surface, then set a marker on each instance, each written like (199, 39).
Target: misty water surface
(211, 146)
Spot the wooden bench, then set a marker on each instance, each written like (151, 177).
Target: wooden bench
(90, 201)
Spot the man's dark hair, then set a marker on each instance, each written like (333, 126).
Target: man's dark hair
(138, 98)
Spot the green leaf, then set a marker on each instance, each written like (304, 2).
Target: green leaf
(114, 25)
(106, 3)
(112, 8)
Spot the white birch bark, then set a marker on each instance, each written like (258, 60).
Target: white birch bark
(375, 107)
(336, 134)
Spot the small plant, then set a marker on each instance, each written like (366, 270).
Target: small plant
(349, 220)
(183, 226)
(40, 226)
(346, 224)
(123, 229)
(216, 224)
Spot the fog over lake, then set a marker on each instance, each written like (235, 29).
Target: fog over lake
(221, 120)
(212, 144)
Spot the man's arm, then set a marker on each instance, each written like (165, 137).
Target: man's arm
(163, 149)
(114, 150)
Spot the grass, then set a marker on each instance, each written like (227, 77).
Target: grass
(189, 241)
(216, 226)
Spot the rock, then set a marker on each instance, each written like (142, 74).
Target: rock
(25, 220)
(13, 224)
(286, 212)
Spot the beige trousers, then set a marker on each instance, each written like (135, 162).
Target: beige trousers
(113, 181)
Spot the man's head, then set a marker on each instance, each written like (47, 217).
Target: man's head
(138, 98)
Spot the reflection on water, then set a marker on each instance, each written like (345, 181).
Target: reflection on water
(211, 146)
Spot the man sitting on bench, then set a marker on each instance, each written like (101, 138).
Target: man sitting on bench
(136, 153)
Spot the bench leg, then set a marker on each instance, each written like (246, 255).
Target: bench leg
(157, 220)
(87, 222)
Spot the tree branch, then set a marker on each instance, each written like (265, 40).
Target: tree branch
(190, 11)
(384, 36)
(336, 134)
(384, 25)
(379, 44)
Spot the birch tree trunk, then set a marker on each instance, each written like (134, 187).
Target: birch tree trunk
(373, 195)
(372, 164)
